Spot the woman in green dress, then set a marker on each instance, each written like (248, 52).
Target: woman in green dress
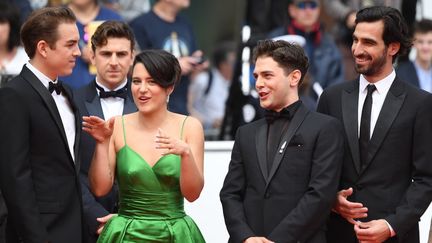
(155, 155)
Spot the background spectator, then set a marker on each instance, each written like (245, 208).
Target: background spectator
(419, 71)
(209, 90)
(163, 28)
(89, 14)
(324, 57)
(12, 55)
(128, 9)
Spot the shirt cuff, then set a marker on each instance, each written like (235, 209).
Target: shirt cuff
(392, 232)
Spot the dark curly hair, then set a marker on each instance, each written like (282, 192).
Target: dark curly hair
(395, 26)
(289, 56)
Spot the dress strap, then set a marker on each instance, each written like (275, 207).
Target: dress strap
(124, 131)
(181, 132)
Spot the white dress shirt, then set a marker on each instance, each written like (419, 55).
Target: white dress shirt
(378, 97)
(111, 106)
(63, 106)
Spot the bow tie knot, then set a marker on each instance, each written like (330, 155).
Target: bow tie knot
(271, 116)
(120, 93)
(57, 87)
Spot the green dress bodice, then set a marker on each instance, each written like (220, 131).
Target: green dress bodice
(150, 202)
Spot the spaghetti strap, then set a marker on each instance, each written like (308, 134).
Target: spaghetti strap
(124, 131)
(181, 132)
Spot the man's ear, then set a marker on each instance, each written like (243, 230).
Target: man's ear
(92, 56)
(42, 48)
(295, 77)
(393, 48)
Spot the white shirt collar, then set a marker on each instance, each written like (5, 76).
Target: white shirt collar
(42, 77)
(123, 84)
(382, 86)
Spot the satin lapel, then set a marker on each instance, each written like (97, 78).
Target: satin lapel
(46, 97)
(68, 94)
(389, 111)
(349, 103)
(261, 148)
(295, 123)
(129, 105)
(92, 102)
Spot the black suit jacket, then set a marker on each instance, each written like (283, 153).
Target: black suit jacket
(88, 103)
(407, 72)
(38, 176)
(292, 202)
(396, 184)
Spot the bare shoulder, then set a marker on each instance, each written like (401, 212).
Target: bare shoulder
(190, 125)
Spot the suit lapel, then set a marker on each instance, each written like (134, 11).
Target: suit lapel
(46, 97)
(389, 111)
(350, 119)
(261, 148)
(295, 123)
(92, 101)
(129, 105)
(68, 94)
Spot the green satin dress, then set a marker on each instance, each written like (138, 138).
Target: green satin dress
(150, 204)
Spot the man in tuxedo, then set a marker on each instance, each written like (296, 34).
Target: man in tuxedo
(284, 168)
(386, 181)
(39, 130)
(107, 96)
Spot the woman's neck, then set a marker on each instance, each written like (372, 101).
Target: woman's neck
(152, 121)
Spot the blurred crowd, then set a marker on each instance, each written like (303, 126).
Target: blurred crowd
(218, 88)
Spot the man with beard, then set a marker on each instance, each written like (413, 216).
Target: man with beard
(386, 181)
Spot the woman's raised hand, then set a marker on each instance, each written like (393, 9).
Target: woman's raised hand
(98, 128)
(171, 145)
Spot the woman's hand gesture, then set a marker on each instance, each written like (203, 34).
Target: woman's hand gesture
(171, 145)
(99, 129)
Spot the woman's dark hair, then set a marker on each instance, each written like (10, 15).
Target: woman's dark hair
(9, 14)
(395, 27)
(162, 66)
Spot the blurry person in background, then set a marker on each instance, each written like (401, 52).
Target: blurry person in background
(12, 55)
(165, 28)
(89, 14)
(209, 90)
(325, 60)
(128, 9)
(419, 71)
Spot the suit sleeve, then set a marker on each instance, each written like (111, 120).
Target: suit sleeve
(419, 194)
(15, 168)
(92, 208)
(232, 194)
(314, 206)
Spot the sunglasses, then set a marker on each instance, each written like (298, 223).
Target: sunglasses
(304, 5)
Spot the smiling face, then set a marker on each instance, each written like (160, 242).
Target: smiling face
(148, 95)
(372, 57)
(276, 88)
(113, 61)
(60, 58)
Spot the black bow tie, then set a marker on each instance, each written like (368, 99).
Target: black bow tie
(286, 113)
(271, 116)
(121, 93)
(58, 87)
